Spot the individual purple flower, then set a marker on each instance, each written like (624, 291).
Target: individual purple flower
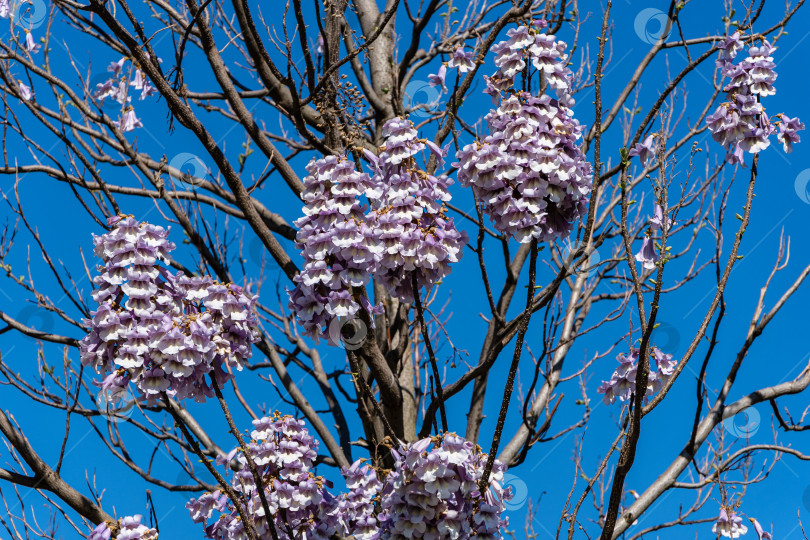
(438, 79)
(132, 529)
(647, 256)
(644, 150)
(788, 136)
(461, 59)
(761, 533)
(657, 219)
(729, 48)
(4, 11)
(129, 121)
(26, 92)
(117, 67)
(729, 524)
(30, 45)
(101, 532)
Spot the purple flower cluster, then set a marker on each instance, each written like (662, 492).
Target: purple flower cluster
(434, 493)
(356, 507)
(116, 88)
(339, 247)
(740, 124)
(729, 524)
(129, 528)
(431, 493)
(344, 243)
(409, 217)
(529, 172)
(283, 452)
(162, 331)
(622, 383)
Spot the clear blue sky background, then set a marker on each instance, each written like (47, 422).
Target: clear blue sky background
(548, 472)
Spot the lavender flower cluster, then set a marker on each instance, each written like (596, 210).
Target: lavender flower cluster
(116, 88)
(339, 247)
(162, 331)
(404, 232)
(283, 453)
(529, 172)
(740, 124)
(622, 383)
(127, 528)
(432, 492)
(417, 236)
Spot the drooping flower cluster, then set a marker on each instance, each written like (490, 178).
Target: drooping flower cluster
(339, 247)
(405, 232)
(117, 89)
(283, 453)
(163, 331)
(529, 172)
(129, 528)
(740, 124)
(622, 383)
(729, 524)
(432, 492)
(417, 236)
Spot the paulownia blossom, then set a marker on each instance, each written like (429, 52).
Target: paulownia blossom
(432, 492)
(622, 383)
(418, 238)
(729, 524)
(128, 528)
(529, 172)
(405, 233)
(116, 88)
(163, 331)
(740, 124)
(339, 246)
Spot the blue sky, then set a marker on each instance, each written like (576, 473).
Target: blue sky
(782, 204)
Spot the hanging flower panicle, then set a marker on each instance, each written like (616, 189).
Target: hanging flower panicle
(417, 236)
(340, 248)
(431, 493)
(740, 124)
(163, 331)
(529, 173)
